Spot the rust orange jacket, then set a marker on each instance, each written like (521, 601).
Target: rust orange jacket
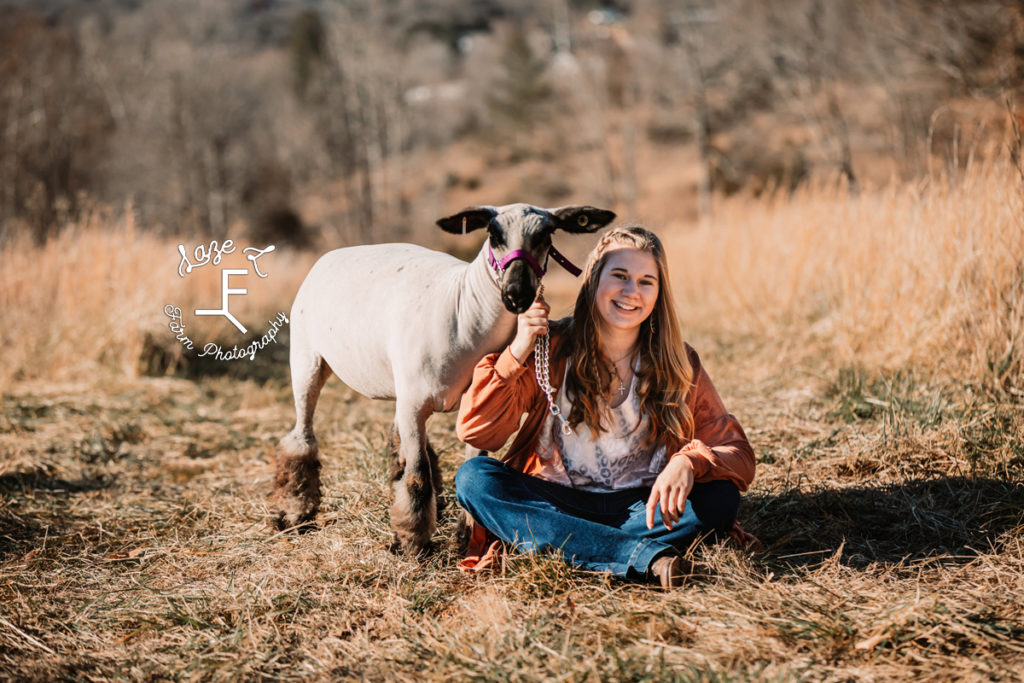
(503, 391)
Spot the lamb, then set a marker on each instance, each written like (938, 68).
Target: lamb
(397, 321)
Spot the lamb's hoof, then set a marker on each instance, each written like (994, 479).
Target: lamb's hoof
(413, 516)
(415, 548)
(283, 521)
(296, 492)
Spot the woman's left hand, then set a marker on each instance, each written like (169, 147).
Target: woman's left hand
(671, 489)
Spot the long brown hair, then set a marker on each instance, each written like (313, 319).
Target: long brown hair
(665, 374)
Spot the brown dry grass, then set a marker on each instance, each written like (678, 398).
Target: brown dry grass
(871, 345)
(90, 302)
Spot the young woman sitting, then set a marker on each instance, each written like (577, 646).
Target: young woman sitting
(643, 459)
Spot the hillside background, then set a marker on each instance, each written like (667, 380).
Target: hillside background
(328, 123)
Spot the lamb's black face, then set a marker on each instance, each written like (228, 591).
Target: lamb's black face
(525, 229)
(519, 287)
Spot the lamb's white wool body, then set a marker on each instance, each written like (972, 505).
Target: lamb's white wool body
(398, 314)
(397, 321)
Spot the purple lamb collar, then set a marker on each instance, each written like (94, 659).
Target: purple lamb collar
(560, 259)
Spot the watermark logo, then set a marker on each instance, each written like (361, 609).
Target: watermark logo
(213, 253)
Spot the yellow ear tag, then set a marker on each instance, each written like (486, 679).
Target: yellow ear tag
(583, 220)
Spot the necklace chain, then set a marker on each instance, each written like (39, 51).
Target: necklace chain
(616, 362)
(622, 382)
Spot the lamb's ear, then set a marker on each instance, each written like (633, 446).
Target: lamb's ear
(467, 220)
(581, 218)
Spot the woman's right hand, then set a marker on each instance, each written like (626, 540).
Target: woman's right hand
(531, 323)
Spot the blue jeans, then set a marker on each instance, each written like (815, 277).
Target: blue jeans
(604, 531)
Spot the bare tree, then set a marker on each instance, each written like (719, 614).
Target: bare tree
(355, 99)
(55, 125)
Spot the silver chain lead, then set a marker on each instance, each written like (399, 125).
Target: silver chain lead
(542, 353)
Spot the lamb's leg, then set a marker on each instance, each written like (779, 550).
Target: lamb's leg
(297, 479)
(394, 444)
(438, 479)
(414, 504)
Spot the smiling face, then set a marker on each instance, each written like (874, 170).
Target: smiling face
(627, 289)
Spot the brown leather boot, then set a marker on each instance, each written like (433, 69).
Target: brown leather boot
(671, 570)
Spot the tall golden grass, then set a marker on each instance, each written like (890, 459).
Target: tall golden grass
(87, 303)
(927, 273)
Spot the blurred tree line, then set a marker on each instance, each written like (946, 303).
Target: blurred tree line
(212, 115)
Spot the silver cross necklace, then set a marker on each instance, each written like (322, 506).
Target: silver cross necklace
(615, 368)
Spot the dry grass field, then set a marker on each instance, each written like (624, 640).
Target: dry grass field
(872, 346)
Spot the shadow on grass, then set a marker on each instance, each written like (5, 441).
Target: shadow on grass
(162, 356)
(946, 519)
(18, 529)
(40, 479)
